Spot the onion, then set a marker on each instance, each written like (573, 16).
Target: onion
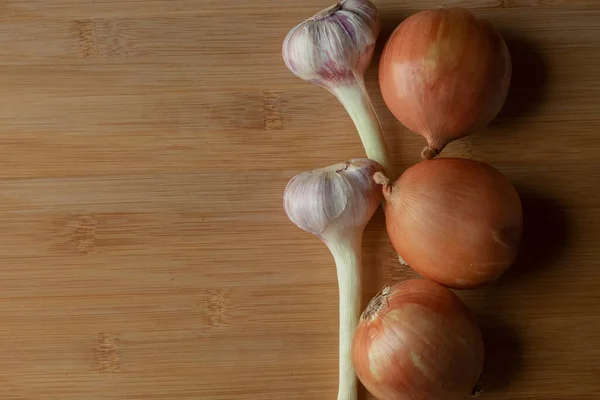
(418, 341)
(456, 221)
(444, 74)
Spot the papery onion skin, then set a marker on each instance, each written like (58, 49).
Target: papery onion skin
(418, 341)
(458, 222)
(444, 74)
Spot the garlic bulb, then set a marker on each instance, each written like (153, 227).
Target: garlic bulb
(335, 44)
(335, 204)
(336, 198)
(333, 49)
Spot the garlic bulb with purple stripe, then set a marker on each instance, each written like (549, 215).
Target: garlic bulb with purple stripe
(333, 49)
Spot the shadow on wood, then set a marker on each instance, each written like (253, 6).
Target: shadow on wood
(529, 76)
(502, 355)
(372, 274)
(544, 235)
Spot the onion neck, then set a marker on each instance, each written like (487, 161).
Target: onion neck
(384, 181)
(355, 99)
(347, 252)
(377, 303)
(429, 153)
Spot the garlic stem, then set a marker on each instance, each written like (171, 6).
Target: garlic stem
(347, 253)
(335, 203)
(355, 99)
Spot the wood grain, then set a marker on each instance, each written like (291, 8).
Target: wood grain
(144, 252)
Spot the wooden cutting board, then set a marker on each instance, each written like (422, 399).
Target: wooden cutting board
(144, 251)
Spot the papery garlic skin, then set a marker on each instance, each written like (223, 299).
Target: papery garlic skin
(333, 49)
(335, 204)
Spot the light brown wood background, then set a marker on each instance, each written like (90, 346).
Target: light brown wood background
(144, 251)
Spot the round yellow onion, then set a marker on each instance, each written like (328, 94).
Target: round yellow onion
(444, 74)
(418, 341)
(456, 221)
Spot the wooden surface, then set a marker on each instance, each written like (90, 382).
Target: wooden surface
(144, 252)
